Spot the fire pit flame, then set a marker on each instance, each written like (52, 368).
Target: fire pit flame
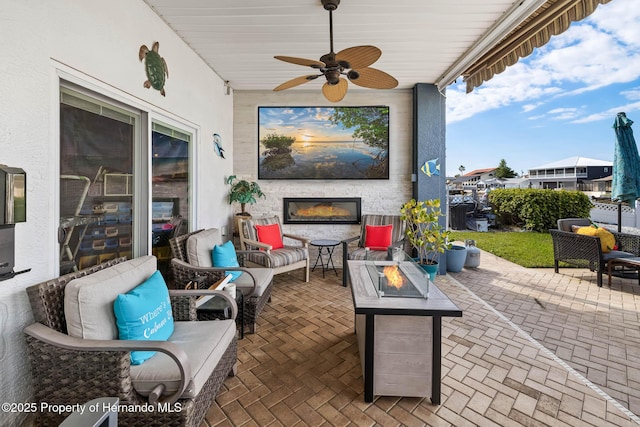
(394, 278)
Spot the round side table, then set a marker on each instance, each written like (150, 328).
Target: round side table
(325, 248)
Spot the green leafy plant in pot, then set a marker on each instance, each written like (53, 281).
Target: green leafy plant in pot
(243, 192)
(424, 232)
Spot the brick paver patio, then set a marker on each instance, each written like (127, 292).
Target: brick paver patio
(532, 348)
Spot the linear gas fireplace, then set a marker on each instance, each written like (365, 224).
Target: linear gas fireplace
(322, 210)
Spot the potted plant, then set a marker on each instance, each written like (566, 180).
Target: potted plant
(425, 233)
(243, 192)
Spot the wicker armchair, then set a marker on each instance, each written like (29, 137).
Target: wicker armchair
(67, 370)
(255, 284)
(360, 252)
(585, 251)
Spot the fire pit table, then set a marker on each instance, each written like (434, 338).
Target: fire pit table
(398, 317)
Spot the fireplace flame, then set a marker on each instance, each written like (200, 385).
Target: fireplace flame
(394, 278)
(323, 211)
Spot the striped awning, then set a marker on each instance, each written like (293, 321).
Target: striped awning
(552, 18)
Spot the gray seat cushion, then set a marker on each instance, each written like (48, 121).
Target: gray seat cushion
(263, 277)
(566, 224)
(616, 254)
(203, 355)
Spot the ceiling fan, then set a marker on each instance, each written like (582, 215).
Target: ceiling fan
(352, 62)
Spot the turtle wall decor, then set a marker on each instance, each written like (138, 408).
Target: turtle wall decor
(155, 67)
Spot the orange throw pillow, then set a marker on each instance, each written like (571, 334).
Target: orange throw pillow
(378, 237)
(270, 234)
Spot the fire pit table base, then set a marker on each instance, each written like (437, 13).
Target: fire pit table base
(399, 337)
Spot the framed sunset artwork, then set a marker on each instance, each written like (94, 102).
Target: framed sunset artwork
(323, 142)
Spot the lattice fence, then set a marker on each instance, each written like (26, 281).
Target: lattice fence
(608, 213)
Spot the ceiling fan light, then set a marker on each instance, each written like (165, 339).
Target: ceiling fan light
(333, 77)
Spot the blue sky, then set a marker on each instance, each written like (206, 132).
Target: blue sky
(559, 102)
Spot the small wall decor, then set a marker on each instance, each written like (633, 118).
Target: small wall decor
(155, 67)
(431, 167)
(217, 145)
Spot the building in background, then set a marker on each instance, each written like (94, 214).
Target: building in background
(573, 173)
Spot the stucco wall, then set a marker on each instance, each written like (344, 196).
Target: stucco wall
(378, 196)
(94, 44)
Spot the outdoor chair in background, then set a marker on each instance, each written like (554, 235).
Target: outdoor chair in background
(586, 251)
(192, 262)
(160, 246)
(367, 247)
(265, 235)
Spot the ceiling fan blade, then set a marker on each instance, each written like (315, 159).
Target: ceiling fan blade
(335, 93)
(373, 78)
(301, 61)
(359, 56)
(297, 81)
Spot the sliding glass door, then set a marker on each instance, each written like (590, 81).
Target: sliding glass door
(123, 192)
(97, 185)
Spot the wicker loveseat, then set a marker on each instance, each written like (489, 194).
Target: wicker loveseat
(586, 251)
(175, 387)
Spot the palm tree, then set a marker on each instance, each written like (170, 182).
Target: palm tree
(461, 168)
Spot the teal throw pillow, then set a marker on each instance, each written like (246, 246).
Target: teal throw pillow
(144, 313)
(225, 256)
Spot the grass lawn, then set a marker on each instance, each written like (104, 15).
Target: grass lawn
(524, 248)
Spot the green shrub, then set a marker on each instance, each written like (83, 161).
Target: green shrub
(538, 210)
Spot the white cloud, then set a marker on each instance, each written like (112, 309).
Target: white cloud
(598, 52)
(631, 94)
(530, 107)
(611, 112)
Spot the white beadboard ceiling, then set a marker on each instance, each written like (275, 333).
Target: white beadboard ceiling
(421, 40)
